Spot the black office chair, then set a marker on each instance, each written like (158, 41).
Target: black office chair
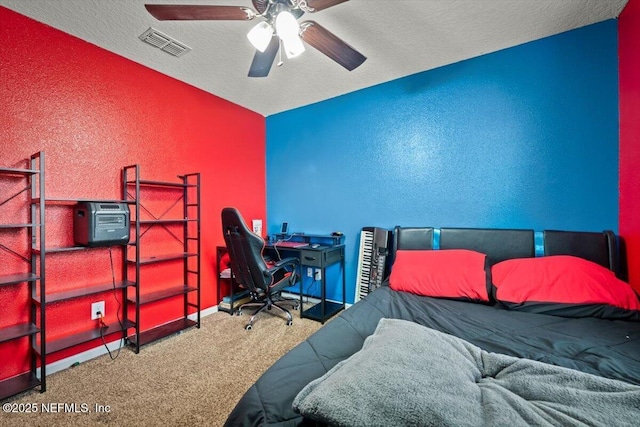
(264, 282)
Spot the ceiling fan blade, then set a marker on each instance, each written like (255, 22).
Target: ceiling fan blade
(260, 5)
(327, 43)
(317, 5)
(262, 61)
(183, 12)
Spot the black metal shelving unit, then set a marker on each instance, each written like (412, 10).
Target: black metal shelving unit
(187, 191)
(98, 331)
(34, 278)
(234, 289)
(41, 204)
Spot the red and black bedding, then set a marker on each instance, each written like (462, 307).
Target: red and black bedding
(585, 341)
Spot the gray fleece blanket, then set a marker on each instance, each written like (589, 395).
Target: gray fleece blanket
(409, 375)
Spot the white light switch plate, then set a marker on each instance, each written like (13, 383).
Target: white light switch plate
(257, 226)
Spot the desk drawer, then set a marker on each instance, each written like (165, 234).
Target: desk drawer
(320, 258)
(311, 258)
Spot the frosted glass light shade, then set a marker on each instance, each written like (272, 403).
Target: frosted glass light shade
(286, 25)
(260, 36)
(287, 28)
(293, 46)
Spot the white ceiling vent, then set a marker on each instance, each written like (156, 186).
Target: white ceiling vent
(164, 42)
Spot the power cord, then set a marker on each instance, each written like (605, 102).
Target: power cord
(103, 326)
(275, 245)
(306, 292)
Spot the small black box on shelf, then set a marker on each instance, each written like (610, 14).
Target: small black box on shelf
(98, 224)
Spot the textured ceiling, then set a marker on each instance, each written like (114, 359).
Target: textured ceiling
(399, 37)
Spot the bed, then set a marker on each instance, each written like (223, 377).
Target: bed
(389, 345)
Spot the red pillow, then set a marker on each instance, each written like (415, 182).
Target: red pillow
(447, 273)
(563, 285)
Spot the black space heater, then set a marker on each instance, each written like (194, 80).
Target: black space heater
(98, 224)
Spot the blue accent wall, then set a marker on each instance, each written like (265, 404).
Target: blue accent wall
(526, 137)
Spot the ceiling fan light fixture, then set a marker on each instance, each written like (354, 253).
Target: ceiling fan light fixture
(288, 29)
(260, 36)
(293, 46)
(287, 26)
(280, 19)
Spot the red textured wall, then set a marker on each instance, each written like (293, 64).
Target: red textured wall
(92, 113)
(629, 53)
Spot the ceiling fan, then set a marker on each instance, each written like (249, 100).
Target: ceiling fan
(279, 26)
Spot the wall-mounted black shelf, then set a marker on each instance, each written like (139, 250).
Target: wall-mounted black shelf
(56, 300)
(72, 201)
(12, 279)
(17, 226)
(31, 182)
(148, 183)
(162, 331)
(85, 336)
(18, 384)
(165, 221)
(18, 331)
(164, 294)
(90, 290)
(64, 249)
(19, 171)
(161, 258)
(187, 193)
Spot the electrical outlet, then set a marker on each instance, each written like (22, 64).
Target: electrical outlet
(95, 308)
(309, 272)
(318, 274)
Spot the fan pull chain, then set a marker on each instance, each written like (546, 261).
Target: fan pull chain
(279, 64)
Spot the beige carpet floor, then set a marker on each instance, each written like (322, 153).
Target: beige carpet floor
(191, 379)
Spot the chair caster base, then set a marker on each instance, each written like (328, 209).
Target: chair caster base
(248, 327)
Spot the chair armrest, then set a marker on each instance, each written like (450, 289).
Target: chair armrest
(283, 273)
(286, 262)
(291, 261)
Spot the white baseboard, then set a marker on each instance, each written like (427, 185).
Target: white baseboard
(85, 356)
(204, 313)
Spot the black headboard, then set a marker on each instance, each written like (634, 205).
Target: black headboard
(600, 248)
(412, 238)
(497, 244)
(502, 244)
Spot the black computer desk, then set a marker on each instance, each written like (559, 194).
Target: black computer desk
(318, 258)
